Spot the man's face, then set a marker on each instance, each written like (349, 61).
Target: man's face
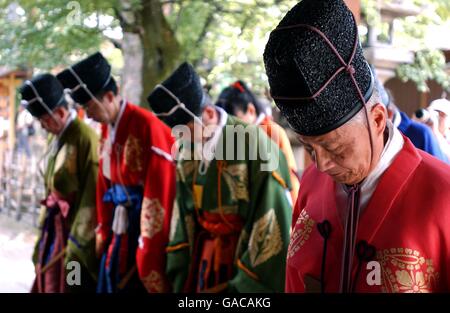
(443, 123)
(101, 110)
(248, 117)
(210, 119)
(53, 124)
(344, 153)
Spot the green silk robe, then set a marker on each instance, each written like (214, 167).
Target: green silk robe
(260, 198)
(71, 172)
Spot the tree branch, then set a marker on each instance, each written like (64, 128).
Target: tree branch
(177, 21)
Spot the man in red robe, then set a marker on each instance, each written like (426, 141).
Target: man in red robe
(136, 183)
(372, 214)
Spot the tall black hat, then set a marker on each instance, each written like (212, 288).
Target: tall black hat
(87, 77)
(317, 72)
(42, 94)
(179, 98)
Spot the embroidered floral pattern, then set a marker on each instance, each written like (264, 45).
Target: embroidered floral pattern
(302, 230)
(265, 239)
(152, 217)
(236, 177)
(133, 154)
(405, 270)
(153, 282)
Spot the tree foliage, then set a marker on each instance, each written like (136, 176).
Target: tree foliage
(44, 34)
(223, 39)
(429, 63)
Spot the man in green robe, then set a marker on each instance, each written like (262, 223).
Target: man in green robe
(231, 220)
(64, 255)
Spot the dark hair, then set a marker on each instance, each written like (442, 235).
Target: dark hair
(111, 86)
(237, 97)
(64, 104)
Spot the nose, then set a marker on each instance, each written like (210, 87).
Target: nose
(323, 160)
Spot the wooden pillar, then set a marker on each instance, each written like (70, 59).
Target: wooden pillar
(423, 99)
(12, 111)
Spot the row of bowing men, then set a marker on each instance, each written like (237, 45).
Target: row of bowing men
(162, 200)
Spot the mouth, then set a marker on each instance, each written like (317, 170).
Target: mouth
(334, 174)
(91, 116)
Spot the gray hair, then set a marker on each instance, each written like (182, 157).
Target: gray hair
(373, 100)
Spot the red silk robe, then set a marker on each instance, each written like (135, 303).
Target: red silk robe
(406, 222)
(141, 156)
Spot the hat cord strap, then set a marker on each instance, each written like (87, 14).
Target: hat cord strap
(345, 65)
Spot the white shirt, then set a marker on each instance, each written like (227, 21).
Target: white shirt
(55, 143)
(107, 149)
(391, 149)
(260, 118)
(397, 119)
(209, 147)
(70, 119)
(4, 126)
(24, 119)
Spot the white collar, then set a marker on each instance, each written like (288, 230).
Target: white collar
(70, 119)
(260, 118)
(55, 144)
(204, 152)
(391, 149)
(209, 147)
(397, 119)
(113, 129)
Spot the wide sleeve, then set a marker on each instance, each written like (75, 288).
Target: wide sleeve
(286, 148)
(104, 210)
(159, 194)
(294, 282)
(82, 234)
(262, 261)
(179, 249)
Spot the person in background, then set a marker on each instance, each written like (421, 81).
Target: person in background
(420, 135)
(230, 224)
(238, 100)
(4, 129)
(136, 182)
(68, 211)
(23, 125)
(440, 108)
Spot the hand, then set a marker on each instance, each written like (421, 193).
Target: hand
(99, 245)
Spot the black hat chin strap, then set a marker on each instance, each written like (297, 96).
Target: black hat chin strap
(83, 85)
(39, 99)
(179, 105)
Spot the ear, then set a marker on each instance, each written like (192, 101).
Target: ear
(59, 112)
(379, 116)
(251, 109)
(209, 111)
(209, 115)
(110, 96)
